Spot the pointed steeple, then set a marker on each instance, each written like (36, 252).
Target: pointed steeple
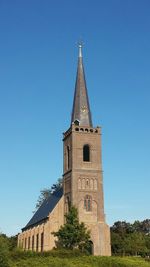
(81, 108)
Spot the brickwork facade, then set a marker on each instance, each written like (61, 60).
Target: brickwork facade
(39, 237)
(83, 183)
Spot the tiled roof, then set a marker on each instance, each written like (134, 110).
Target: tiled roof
(44, 210)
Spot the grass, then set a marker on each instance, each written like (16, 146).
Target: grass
(65, 259)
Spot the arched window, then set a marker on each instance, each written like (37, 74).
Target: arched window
(29, 242)
(88, 203)
(91, 184)
(86, 153)
(87, 183)
(37, 242)
(90, 247)
(42, 241)
(32, 242)
(83, 183)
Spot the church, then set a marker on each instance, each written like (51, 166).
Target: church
(82, 181)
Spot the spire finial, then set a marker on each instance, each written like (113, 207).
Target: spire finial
(80, 45)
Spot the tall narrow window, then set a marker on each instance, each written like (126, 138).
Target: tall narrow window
(86, 153)
(37, 242)
(25, 247)
(32, 242)
(29, 242)
(68, 157)
(42, 241)
(88, 203)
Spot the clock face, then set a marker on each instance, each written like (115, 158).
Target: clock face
(84, 109)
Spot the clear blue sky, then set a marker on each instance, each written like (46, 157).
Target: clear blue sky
(38, 60)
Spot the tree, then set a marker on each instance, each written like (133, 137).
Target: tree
(73, 234)
(147, 240)
(12, 242)
(4, 251)
(117, 244)
(131, 239)
(122, 228)
(46, 192)
(135, 244)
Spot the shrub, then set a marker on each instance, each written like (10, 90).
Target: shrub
(63, 253)
(4, 252)
(17, 254)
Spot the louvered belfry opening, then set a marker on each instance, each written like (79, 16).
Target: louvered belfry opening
(86, 153)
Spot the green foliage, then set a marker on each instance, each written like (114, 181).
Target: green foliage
(63, 253)
(135, 244)
(7, 245)
(21, 254)
(131, 239)
(73, 234)
(4, 251)
(127, 228)
(46, 192)
(62, 260)
(143, 227)
(12, 242)
(18, 254)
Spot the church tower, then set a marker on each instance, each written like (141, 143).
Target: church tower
(83, 180)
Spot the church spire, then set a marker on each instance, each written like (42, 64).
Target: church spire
(81, 108)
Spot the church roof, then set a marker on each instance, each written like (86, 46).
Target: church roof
(81, 107)
(44, 210)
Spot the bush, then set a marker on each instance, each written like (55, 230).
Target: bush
(66, 258)
(63, 253)
(73, 234)
(20, 254)
(59, 253)
(4, 252)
